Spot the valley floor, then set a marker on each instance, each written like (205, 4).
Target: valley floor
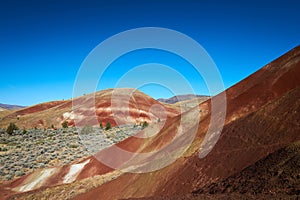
(22, 153)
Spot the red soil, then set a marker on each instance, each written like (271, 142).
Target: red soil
(262, 117)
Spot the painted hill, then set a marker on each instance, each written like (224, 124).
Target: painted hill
(128, 107)
(262, 117)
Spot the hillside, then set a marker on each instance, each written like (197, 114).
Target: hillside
(262, 117)
(273, 177)
(130, 107)
(278, 173)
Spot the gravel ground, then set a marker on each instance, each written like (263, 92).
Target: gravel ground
(21, 153)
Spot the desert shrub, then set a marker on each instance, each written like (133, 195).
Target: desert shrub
(19, 173)
(101, 126)
(8, 177)
(24, 131)
(86, 130)
(64, 124)
(3, 141)
(12, 144)
(108, 126)
(3, 149)
(39, 142)
(73, 146)
(145, 124)
(11, 127)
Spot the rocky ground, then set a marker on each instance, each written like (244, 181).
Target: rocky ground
(275, 177)
(21, 152)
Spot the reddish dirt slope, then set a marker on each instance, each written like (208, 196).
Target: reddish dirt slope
(273, 177)
(262, 116)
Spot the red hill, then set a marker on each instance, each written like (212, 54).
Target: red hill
(262, 117)
(130, 106)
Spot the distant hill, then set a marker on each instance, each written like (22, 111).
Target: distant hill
(178, 98)
(10, 107)
(56, 112)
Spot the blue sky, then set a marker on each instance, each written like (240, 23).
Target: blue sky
(43, 43)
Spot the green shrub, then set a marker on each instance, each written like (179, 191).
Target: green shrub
(145, 124)
(19, 173)
(8, 177)
(108, 126)
(11, 127)
(64, 124)
(3, 141)
(12, 144)
(73, 146)
(101, 126)
(3, 149)
(39, 142)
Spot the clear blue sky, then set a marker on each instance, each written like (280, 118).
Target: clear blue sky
(43, 43)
